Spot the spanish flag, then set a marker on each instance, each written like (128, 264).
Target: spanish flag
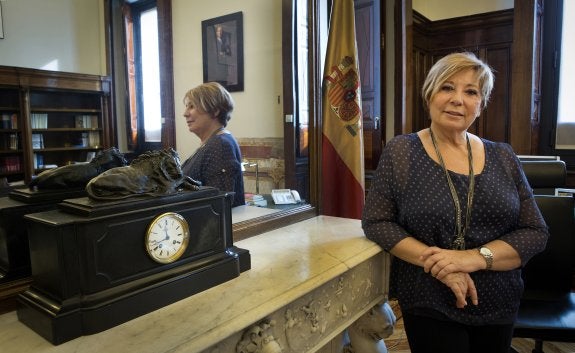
(342, 134)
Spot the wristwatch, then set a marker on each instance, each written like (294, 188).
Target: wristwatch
(487, 255)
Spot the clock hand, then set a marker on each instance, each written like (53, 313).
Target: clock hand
(165, 238)
(158, 242)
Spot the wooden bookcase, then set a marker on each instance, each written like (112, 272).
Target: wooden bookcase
(49, 119)
(11, 149)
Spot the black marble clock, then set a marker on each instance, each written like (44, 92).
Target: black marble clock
(98, 264)
(14, 251)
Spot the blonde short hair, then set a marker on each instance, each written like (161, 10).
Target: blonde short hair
(212, 98)
(452, 64)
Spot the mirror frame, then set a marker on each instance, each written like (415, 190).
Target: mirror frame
(258, 225)
(245, 229)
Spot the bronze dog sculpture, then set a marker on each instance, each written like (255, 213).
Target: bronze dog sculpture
(78, 175)
(153, 173)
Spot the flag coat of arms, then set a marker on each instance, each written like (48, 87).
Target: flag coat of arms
(343, 189)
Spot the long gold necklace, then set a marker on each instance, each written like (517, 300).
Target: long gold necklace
(193, 156)
(214, 133)
(459, 238)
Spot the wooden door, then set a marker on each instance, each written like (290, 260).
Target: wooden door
(368, 33)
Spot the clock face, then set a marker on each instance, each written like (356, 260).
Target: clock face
(167, 237)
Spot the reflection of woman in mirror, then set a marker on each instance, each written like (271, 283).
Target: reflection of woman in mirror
(217, 162)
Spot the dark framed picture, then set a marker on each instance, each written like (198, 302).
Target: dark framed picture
(1, 25)
(223, 51)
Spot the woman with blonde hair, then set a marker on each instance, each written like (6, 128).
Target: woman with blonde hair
(217, 162)
(459, 216)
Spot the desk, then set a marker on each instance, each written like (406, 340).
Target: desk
(245, 212)
(308, 282)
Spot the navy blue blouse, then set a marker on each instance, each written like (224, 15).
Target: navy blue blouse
(409, 196)
(217, 163)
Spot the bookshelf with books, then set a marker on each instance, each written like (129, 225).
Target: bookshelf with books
(61, 118)
(65, 126)
(11, 153)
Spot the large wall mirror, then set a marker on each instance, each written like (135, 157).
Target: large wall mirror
(274, 124)
(294, 65)
(271, 119)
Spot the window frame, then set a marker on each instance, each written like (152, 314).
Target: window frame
(550, 74)
(137, 144)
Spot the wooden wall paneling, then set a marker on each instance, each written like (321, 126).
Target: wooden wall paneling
(422, 61)
(421, 65)
(403, 38)
(490, 37)
(479, 30)
(288, 37)
(165, 43)
(496, 117)
(522, 75)
(537, 79)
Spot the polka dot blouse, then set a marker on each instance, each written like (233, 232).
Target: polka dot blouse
(409, 196)
(218, 164)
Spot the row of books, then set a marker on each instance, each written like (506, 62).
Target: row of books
(37, 141)
(10, 164)
(10, 143)
(91, 139)
(87, 121)
(9, 121)
(39, 120)
(87, 139)
(38, 160)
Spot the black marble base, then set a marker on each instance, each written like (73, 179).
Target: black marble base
(14, 250)
(90, 269)
(59, 322)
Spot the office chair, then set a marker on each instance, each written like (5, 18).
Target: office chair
(547, 310)
(544, 176)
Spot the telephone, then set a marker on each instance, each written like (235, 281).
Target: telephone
(285, 196)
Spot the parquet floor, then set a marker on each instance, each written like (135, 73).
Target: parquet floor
(397, 342)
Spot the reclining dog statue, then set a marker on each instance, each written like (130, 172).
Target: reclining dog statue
(78, 175)
(153, 173)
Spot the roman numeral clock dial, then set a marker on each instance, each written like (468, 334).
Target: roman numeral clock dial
(167, 237)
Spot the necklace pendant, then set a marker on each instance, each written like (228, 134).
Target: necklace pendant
(458, 243)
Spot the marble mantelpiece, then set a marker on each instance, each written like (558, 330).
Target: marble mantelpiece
(308, 282)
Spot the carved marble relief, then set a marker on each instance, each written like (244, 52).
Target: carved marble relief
(259, 338)
(313, 319)
(366, 334)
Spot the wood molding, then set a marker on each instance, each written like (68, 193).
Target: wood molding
(522, 76)
(490, 37)
(35, 78)
(9, 292)
(254, 226)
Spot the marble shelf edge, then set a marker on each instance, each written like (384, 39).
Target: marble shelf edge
(228, 332)
(330, 248)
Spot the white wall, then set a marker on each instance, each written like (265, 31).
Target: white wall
(442, 9)
(257, 112)
(61, 35)
(66, 35)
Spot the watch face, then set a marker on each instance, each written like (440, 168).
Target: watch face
(485, 251)
(167, 237)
